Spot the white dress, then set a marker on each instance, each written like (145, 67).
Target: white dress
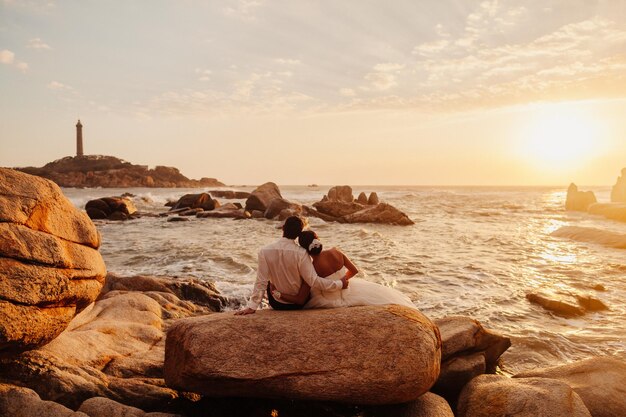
(359, 293)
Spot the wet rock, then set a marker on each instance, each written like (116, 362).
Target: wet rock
(194, 201)
(579, 200)
(362, 198)
(558, 307)
(256, 214)
(261, 198)
(279, 204)
(115, 347)
(197, 350)
(229, 194)
(337, 209)
(613, 211)
(495, 395)
(50, 268)
(590, 303)
(600, 382)
(113, 208)
(178, 219)
(382, 213)
(227, 211)
(618, 192)
(191, 212)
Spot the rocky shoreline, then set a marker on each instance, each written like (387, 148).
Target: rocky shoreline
(111, 172)
(75, 341)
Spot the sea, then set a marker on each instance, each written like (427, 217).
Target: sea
(473, 251)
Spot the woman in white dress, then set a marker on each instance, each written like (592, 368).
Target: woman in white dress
(333, 264)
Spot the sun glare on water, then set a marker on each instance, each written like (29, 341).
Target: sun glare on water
(561, 136)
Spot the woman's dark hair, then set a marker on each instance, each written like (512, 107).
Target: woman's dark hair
(305, 240)
(293, 227)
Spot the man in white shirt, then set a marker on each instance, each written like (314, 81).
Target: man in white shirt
(286, 265)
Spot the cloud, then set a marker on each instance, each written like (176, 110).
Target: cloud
(203, 74)
(384, 76)
(55, 85)
(288, 61)
(243, 9)
(8, 58)
(347, 92)
(37, 43)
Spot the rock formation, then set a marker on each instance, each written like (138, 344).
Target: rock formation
(229, 194)
(202, 201)
(50, 267)
(468, 350)
(371, 360)
(566, 304)
(600, 383)
(339, 205)
(115, 347)
(111, 172)
(618, 192)
(495, 395)
(111, 208)
(579, 200)
(262, 196)
(613, 211)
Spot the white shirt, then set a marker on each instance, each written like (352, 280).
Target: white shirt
(286, 264)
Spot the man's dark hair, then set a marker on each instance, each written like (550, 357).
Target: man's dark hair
(293, 227)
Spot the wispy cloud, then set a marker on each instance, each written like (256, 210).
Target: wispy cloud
(203, 74)
(8, 58)
(37, 43)
(243, 9)
(55, 85)
(383, 76)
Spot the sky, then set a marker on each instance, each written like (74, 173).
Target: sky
(429, 92)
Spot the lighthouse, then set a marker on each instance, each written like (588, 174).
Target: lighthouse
(79, 139)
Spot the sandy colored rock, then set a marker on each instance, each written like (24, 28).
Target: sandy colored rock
(24, 402)
(115, 347)
(362, 198)
(468, 350)
(50, 267)
(618, 192)
(600, 382)
(337, 209)
(261, 197)
(277, 205)
(363, 348)
(556, 304)
(104, 407)
(495, 395)
(579, 200)
(428, 405)
(613, 211)
(373, 199)
(342, 193)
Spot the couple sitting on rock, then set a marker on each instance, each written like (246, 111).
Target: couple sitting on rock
(291, 276)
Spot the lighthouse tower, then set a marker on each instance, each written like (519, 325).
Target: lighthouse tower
(79, 139)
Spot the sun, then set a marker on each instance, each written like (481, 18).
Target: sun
(560, 135)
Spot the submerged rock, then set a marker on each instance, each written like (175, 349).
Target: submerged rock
(600, 382)
(567, 305)
(495, 395)
(371, 359)
(50, 267)
(579, 200)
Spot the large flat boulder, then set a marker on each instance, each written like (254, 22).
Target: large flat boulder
(496, 395)
(600, 382)
(613, 211)
(368, 355)
(50, 267)
(382, 213)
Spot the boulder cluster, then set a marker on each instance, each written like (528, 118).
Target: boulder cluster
(586, 201)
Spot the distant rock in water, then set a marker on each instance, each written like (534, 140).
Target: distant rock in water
(111, 172)
(618, 193)
(339, 205)
(579, 200)
(111, 208)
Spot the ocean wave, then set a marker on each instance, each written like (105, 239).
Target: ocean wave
(592, 235)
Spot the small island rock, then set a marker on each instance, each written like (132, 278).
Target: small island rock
(261, 197)
(579, 200)
(618, 192)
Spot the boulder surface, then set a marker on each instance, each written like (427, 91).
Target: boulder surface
(262, 196)
(384, 354)
(600, 382)
(496, 395)
(50, 267)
